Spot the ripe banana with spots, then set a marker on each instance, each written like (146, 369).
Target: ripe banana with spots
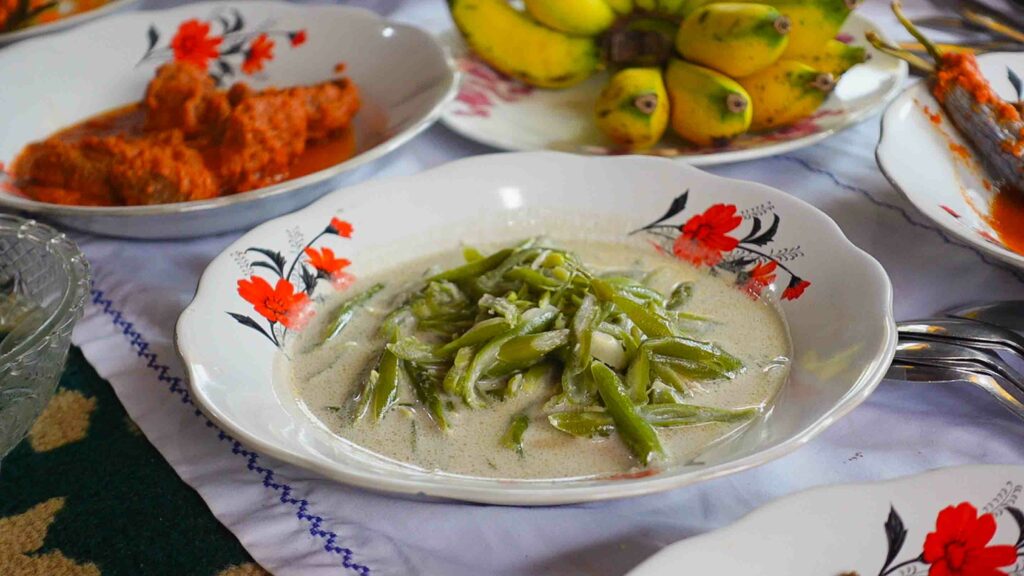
(632, 110)
(786, 92)
(733, 38)
(708, 107)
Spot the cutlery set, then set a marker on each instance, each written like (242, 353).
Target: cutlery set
(976, 344)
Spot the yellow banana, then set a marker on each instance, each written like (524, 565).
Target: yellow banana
(632, 109)
(733, 38)
(621, 7)
(579, 17)
(708, 107)
(514, 44)
(786, 92)
(813, 22)
(673, 8)
(834, 57)
(646, 5)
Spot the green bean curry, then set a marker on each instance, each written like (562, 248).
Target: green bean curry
(540, 360)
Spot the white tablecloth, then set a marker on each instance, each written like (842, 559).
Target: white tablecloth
(295, 523)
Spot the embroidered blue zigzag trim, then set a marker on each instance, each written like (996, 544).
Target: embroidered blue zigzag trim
(177, 386)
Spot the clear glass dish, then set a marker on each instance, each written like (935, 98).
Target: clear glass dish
(44, 281)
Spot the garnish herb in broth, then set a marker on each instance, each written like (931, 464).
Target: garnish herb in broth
(610, 353)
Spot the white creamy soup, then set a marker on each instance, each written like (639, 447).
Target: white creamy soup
(326, 377)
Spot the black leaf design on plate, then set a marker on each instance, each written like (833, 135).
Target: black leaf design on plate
(736, 265)
(896, 534)
(1017, 84)
(766, 236)
(246, 321)
(224, 24)
(677, 206)
(309, 278)
(239, 21)
(276, 258)
(753, 230)
(1019, 517)
(225, 67)
(153, 37)
(233, 49)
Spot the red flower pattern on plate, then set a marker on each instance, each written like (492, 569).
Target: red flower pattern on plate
(959, 546)
(234, 49)
(795, 289)
(283, 305)
(193, 43)
(705, 236)
(324, 261)
(261, 50)
(278, 304)
(340, 227)
(710, 239)
(760, 277)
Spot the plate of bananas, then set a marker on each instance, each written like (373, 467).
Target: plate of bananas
(704, 81)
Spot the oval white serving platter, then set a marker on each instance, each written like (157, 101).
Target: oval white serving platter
(502, 113)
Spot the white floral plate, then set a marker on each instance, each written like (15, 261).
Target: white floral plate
(965, 520)
(932, 165)
(404, 76)
(837, 300)
(65, 22)
(505, 114)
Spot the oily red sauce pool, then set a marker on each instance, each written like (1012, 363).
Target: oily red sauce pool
(128, 120)
(1007, 218)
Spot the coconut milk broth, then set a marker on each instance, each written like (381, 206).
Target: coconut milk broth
(325, 378)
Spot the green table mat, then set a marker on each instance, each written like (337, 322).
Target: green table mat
(86, 494)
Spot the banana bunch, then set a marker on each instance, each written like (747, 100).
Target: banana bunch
(710, 69)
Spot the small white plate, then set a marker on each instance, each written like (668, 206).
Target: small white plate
(505, 114)
(898, 528)
(62, 23)
(841, 324)
(916, 154)
(404, 77)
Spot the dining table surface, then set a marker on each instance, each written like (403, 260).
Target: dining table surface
(123, 474)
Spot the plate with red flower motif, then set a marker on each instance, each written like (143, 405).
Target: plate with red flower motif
(264, 291)
(962, 521)
(402, 75)
(498, 111)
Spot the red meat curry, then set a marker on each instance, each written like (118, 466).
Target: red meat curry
(187, 140)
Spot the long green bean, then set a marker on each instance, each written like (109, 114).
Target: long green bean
(513, 438)
(636, 432)
(385, 392)
(343, 313)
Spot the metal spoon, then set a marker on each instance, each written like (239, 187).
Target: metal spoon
(967, 332)
(997, 387)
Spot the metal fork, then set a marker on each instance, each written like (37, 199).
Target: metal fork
(1007, 314)
(946, 354)
(964, 331)
(995, 386)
